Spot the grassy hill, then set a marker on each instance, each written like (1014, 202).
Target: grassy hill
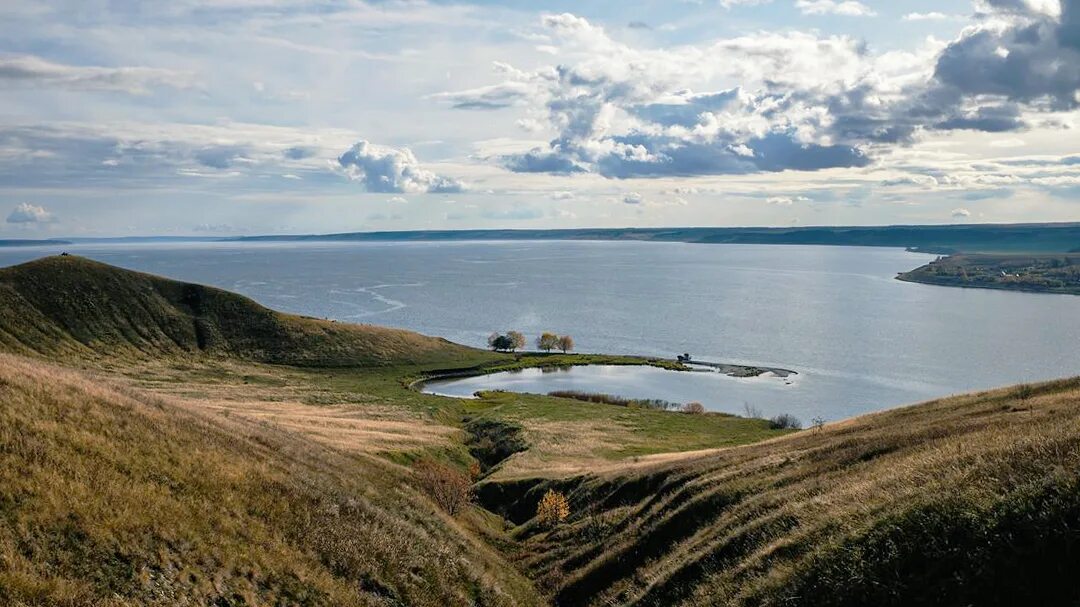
(112, 497)
(971, 500)
(71, 306)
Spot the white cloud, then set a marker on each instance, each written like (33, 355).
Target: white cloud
(397, 200)
(804, 102)
(386, 169)
(626, 112)
(1057, 181)
(932, 16)
(1011, 142)
(961, 213)
(786, 201)
(633, 198)
(27, 214)
(30, 71)
(137, 154)
(849, 8)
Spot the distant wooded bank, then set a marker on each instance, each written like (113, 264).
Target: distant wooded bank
(1047, 273)
(941, 239)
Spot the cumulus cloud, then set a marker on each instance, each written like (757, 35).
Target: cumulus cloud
(931, 16)
(633, 198)
(804, 102)
(1029, 56)
(622, 112)
(28, 70)
(28, 214)
(926, 181)
(848, 8)
(786, 201)
(961, 213)
(392, 170)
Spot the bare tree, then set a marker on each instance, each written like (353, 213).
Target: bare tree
(566, 343)
(517, 340)
(694, 408)
(446, 486)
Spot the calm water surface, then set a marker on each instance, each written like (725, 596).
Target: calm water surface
(860, 340)
(640, 382)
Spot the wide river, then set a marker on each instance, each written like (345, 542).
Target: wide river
(860, 340)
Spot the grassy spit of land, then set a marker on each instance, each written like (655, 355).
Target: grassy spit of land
(1057, 273)
(163, 443)
(538, 360)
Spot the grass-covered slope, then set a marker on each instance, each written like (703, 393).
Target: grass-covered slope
(110, 497)
(67, 305)
(971, 500)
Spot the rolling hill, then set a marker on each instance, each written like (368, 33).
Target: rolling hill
(71, 306)
(969, 500)
(110, 496)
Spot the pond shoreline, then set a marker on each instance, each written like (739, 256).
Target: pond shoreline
(537, 361)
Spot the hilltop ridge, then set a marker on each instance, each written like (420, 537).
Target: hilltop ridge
(68, 305)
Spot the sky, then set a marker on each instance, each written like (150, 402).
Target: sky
(232, 117)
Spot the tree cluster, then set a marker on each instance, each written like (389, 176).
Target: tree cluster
(512, 341)
(550, 341)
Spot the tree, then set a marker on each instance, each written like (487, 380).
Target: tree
(503, 343)
(547, 341)
(785, 421)
(552, 509)
(566, 343)
(493, 340)
(694, 408)
(517, 340)
(446, 486)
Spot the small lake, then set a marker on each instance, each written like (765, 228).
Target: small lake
(638, 382)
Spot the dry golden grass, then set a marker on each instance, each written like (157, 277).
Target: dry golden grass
(762, 523)
(360, 429)
(112, 497)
